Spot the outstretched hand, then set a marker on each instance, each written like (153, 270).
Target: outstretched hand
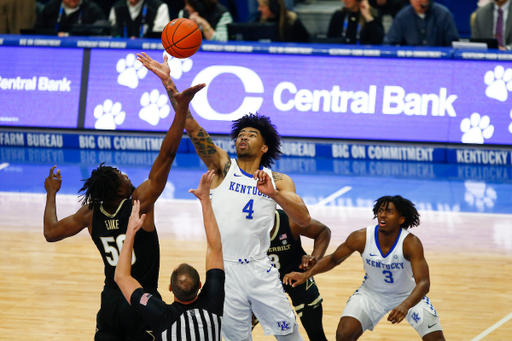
(53, 181)
(161, 70)
(202, 192)
(135, 222)
(184, 97)
(294, 278)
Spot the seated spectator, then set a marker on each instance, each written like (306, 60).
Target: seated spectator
(211, 17)
(138, 18)
(291, 29)
(391, 7)
(16, 15)
(423, 23)
(356, 23)
(61, 15)
(492, 21)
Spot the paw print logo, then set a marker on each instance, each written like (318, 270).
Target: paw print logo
(178, 66)
(510, 125)
(476, 128)
(130, 71)
(108, 115)
(498, 83)
(154, 107)
(479, 194)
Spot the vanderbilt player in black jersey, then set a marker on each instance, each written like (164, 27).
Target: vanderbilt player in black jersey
(106, 207)
(287, 255)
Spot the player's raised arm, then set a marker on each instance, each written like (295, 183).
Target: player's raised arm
(53, 228)
(149, 191)
(355, 242)
(123, 276)
(321, 235)
(413, 251)
(214, 157)
(214, 259)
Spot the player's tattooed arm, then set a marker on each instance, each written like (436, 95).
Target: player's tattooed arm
(277, 176)
(227, 166)
(203, 143)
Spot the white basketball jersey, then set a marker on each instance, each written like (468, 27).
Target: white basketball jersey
(245, 216)
(390, 274)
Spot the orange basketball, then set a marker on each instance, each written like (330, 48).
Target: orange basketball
(181, 38)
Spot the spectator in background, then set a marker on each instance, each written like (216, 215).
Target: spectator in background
(494, 21)
(211, 17)
(175, 6)
(423, 23)
(290, 27)
(16, 15)
(391, 7)
(138, 18)
(356, 23)
(61, 15)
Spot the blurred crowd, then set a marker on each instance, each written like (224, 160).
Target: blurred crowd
(413, 22)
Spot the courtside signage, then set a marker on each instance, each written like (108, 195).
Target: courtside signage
(40, 87)
(312, 96)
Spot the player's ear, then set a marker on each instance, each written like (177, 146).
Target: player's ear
(264, 149)
(170, 288)
(200, 285)
(401, 220)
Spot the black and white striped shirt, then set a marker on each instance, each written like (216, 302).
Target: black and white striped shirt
(199, 321)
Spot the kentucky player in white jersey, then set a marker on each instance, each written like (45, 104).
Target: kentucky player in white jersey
(397, 276)
(244, 196)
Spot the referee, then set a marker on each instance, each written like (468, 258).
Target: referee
(190, 316)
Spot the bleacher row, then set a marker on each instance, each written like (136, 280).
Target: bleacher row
(315, 15)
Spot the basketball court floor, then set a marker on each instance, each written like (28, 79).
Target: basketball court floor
(51, 291)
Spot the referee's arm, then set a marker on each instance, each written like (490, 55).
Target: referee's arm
(123, 276)
(214, 258)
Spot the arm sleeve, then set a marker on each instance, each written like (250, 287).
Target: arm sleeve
(451, 33)
(333, 31)
(373, 32)
(213, 290)
(161, 19)
(150, 308)
(395, 35)
(221, 30)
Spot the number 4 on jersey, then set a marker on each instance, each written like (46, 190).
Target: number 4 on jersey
(248, 209)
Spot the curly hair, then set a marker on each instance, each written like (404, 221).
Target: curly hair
(404, 207)
(100, 187)
(185, 282)
(268, 131)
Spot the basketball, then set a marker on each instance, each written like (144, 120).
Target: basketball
(181, 38)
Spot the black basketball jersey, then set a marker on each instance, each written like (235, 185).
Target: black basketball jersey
(285, 252)
(109, 233)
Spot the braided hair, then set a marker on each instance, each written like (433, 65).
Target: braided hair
(268, 131)
(100, 187)
(404, 207)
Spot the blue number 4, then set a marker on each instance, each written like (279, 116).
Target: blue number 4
(389, 276)
(248, 209)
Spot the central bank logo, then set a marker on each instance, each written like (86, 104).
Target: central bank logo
(252, 85)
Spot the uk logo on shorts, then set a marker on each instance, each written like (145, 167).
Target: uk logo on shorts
(144, 299)
(283, 325)
(416, 317)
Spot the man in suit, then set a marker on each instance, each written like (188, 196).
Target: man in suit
(493, 21)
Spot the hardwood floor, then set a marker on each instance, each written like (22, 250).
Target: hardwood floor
(51, 291)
